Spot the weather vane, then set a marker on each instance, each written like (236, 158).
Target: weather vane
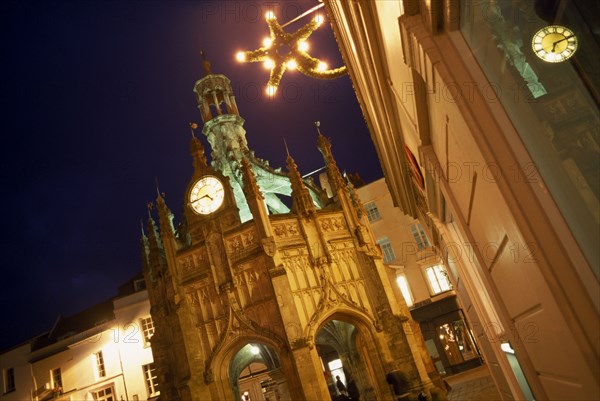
(283, 50)
(205, 63)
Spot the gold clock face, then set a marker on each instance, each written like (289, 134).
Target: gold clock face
(207, 195)
(554, 43)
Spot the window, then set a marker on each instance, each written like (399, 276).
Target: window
(147, 329)
(9, 380)
(151, 379)
(420, 237)
(457, 342)
(100, 364)
(386, 248)
(558, 114)
(405, 289)
(105, 394)
(438, 279)
(372, 212)
(56, 381)
(139, 284)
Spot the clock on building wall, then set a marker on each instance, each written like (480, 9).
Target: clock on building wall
(554, 43)
(207, 195)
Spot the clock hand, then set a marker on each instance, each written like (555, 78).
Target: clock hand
(557, 42)
(202, 197)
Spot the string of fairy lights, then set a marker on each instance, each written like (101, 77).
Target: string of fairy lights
(282, 51)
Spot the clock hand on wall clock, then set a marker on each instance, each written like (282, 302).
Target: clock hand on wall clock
(558, 41)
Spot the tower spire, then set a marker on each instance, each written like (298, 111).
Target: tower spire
(335, 177)
(165, 216)
(197, 151)
(302, 201)
(153, 238)
(287, 151)
(157, 189)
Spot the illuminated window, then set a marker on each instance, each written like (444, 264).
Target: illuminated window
(9, 380)
(100, 364)
(420, 237)
(403, 284)
(372, 212)
(147, 329)
(457, 342)
(386, 248)
(151, 379)
(438, 279)
(57, 379)
(105, 394)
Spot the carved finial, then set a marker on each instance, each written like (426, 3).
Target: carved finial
(335, 178)
(193, 126)
(302, 202)
(197, 152)
(318, 125)
(250, 185)
(205, 63)
(165, 216)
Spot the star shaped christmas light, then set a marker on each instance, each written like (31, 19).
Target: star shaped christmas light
(283, 50)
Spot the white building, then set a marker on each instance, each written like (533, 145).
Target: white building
(420, 272)
(102, 354)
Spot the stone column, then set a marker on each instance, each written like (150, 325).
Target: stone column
(311, 375)
(216, 100)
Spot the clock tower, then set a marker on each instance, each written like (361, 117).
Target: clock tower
(253, 299)
(224, 130)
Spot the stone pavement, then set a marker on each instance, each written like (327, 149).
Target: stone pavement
(472, 385)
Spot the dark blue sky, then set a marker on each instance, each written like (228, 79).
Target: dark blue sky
(96, 101)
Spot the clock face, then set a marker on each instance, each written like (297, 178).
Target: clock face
(207, 195)
(554, 43)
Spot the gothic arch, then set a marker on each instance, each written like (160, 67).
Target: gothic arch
(356, 317)
(353, 336)
(224, 370)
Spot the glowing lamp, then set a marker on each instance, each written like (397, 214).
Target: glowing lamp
(271, 89)
(292, 64)
(267, 42)
(269, 64)
(302, 45)
(269, 15)
(240, 56)
(319, 19)
(322, 66)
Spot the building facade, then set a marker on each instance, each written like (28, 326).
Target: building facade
(279, 306)
(422, 280)
(487, 130)
(100, 354)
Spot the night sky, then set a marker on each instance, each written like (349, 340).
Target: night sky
(96, 101)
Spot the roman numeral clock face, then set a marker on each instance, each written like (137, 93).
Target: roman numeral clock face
(554, 43)
(207, 195)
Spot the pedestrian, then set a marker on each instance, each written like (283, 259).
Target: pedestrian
(341, 387)
(353, 390)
